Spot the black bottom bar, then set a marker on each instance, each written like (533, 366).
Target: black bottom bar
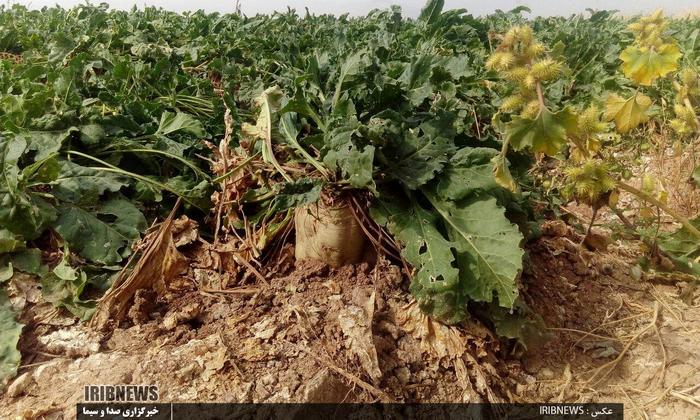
(212, 411)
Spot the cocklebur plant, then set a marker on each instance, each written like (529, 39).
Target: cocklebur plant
(524, 64)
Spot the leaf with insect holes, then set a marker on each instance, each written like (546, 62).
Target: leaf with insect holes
(469, 171)
(354, 162)
(644, 65)
(436, 282)
(463, 250)
(546, 133)
(627, 113)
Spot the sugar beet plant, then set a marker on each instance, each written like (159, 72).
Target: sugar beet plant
(574, 135)
(388, 119)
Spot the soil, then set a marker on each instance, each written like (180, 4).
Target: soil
(619, 335)
(353, 334)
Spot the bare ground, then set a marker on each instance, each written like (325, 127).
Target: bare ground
(352, 334)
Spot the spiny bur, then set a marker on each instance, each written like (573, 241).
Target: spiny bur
(589, 183)
(521, 60)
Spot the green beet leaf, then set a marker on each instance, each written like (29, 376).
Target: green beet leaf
(180, 122)
(21, 212)
(9, 242)
(63, 286)
(419, 159)
(10, 331)
(436, 283)
(469, 171)
(431, 11)
(297, 194)
(355, 163)
(488, 247)
(683, 247)
(46, 143)
(79, 184)
(97, 238)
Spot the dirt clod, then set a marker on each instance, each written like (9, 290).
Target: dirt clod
(20, 385)
(325, 387)
(71, 342)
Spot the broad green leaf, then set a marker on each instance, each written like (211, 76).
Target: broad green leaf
(436, 283)
(45, 170)
(196, 193)
(416, 79)
(63, 286)
(418, 159)
(9, 242)
(97, 240)
(21, 212)
(458, 67)
(468, 172)
(83, 185)
(683, 247)
(26, 260)
(644, 65)
(46, 143)
(170, 146)
(627, 113)
(180, 122)
(355, 165)
(488, 247)
(11, 149)
(300, 105)
(6, 272)
(92, 134)
(10, 331)
(431, 11)
(343, 155)
(546, 133)
(128, 220)
(352, 66)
